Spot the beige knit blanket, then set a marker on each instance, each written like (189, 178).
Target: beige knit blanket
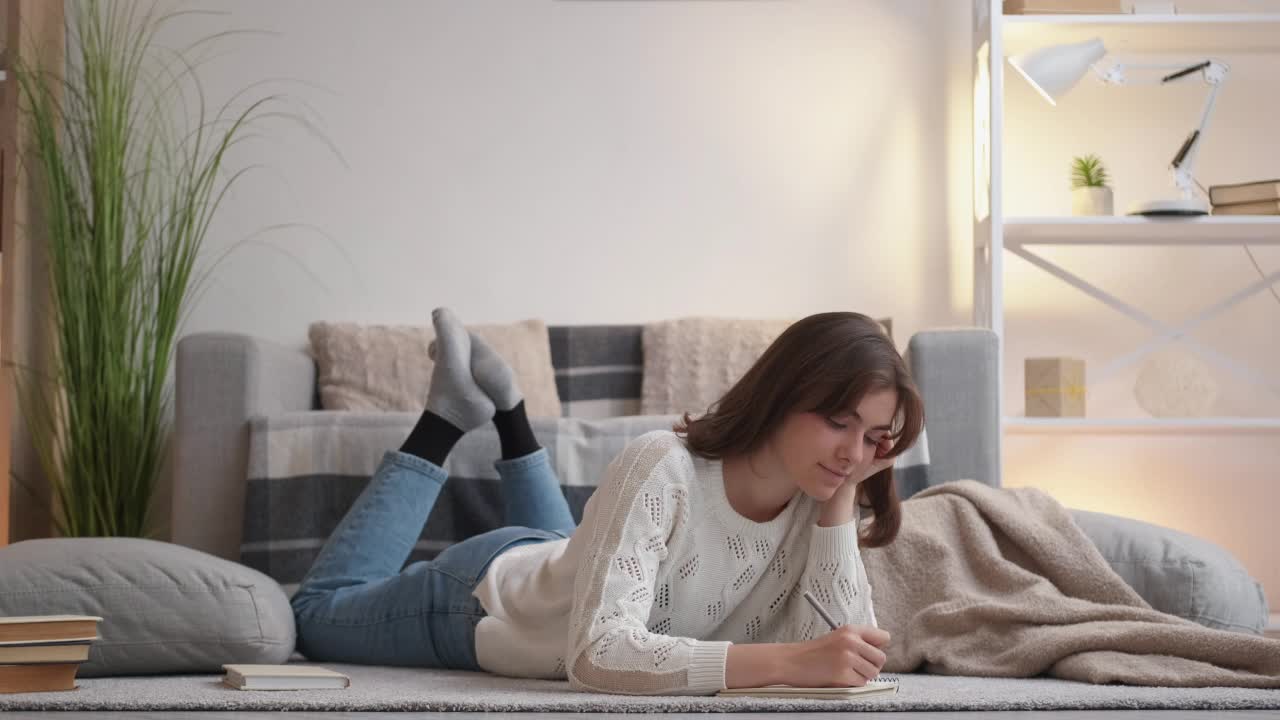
(1002, 583)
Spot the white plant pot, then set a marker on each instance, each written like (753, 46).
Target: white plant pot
(1091, 201)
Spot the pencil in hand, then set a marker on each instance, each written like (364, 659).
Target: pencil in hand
(821, 610)
(832, 622)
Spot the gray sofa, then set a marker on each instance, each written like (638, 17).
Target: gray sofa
(234, 391)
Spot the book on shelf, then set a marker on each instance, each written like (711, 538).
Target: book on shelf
(883, 685)
(1063, 7)
(1263, 207)
(1249, 192)
(38, 678)
(283, 677)
(27, 653)
(48, 628)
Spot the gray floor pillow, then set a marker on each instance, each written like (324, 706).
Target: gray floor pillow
(1177, 573)
(165, 608)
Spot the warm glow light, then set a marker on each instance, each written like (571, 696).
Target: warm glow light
(1098, 480)
(982, 135)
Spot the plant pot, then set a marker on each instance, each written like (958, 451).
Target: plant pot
(1091, 201)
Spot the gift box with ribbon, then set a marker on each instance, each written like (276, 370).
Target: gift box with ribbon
(1055, 387)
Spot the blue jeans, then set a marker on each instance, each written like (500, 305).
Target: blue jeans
(357, 605)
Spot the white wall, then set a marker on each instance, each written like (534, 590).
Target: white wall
(598, 162)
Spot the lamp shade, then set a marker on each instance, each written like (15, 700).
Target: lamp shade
(1056, 69)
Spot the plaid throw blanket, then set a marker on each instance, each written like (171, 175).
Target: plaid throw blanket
(598, 369)
(307, 468)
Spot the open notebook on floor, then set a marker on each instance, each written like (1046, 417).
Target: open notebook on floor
(883, 685)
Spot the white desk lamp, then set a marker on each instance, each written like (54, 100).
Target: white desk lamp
(1054, 70)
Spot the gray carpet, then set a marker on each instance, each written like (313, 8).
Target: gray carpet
(401, 689)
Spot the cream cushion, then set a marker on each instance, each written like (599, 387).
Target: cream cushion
(386, 367)
(690, 363)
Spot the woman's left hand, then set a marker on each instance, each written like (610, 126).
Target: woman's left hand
(879, 463)
(839, 508)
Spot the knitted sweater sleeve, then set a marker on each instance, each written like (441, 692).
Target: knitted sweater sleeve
(626, 526)
(834, 574)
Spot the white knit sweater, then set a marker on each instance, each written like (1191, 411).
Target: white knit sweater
(660, 578)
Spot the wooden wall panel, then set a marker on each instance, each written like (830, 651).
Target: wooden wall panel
(34, 29)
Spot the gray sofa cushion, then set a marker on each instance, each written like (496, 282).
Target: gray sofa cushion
(165, 608)
(1177, 573)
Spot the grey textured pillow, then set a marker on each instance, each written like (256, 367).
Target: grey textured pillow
(1177, 573)
(165, 608)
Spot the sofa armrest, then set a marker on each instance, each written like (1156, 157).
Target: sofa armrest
(223, 379)
(955, 370)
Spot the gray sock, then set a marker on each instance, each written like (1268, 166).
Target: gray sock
(494, 375)
(454, 394)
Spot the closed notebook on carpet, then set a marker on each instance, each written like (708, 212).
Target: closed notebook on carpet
(283, 677)
(879, 686)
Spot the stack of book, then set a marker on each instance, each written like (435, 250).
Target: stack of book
(43, 652)
(1251, 198)
(1062, 7)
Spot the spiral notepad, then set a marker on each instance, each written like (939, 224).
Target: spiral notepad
(883, 685)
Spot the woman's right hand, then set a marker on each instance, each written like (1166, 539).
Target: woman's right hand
(848, 656)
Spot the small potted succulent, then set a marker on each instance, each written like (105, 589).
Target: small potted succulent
(1090, 194)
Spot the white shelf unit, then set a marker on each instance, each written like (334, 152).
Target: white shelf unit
(1152, 426)
(1240, 32)
(1227, 230)
(997, 37)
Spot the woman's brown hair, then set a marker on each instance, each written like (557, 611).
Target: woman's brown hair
(825, 363)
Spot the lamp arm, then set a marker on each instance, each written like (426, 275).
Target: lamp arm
(1215, 73)
(1118, 72)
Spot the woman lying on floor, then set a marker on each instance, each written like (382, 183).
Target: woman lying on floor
(687, 573)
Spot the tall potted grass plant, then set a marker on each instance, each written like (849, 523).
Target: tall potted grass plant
(127, 164)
